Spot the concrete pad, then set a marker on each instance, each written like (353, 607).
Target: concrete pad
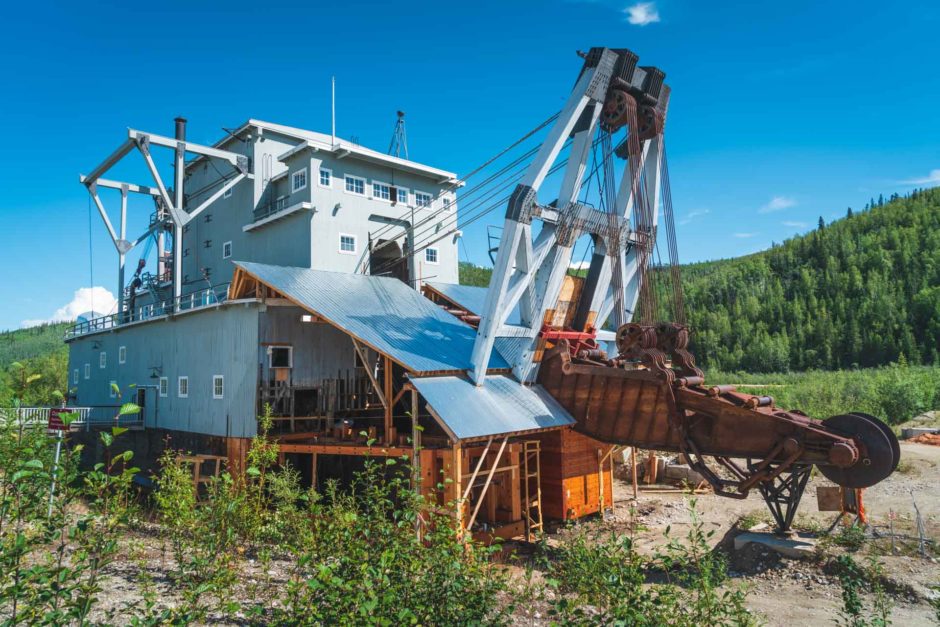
(797, 547)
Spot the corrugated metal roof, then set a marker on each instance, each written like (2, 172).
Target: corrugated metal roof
(470, 298)
(500, 406)
(379, 311)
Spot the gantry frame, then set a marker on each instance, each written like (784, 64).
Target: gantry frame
(175, 205)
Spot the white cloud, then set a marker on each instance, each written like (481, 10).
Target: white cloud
(695, 213)
(777, 203)
(642, 13)
(744, 235)
(931, 179)
(86, 299)
(579, 265)
(795, 224)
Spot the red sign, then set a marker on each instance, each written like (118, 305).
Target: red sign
(55, 422)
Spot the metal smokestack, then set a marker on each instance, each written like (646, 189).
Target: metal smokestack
(180, 129)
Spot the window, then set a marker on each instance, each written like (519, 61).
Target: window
(280, 356)
(112, 388)
(355, 185)
(228, 192)
(122, 355)
(298, 180)
(306, 318)
(447, 204)
(430, 255)
(326, 178)
(422, 199)
(87, 371)
(347, 244)
(103, 360)
(164, 387)
(75, 377)
(218, 386)
(401, 195)
(226, 250)
(381, 191)
(182, 387)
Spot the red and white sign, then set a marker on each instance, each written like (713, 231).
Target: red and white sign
(55, 421)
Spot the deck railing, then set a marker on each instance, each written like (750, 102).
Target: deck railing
(270, 208)
(88, 417)
(194, 300)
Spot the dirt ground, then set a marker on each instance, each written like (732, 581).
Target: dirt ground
(783, 591)
(792, 592)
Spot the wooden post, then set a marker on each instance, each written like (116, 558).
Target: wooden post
(313, 471)
(486, 485)
(415, 443)
(633, 472)
(388, 406)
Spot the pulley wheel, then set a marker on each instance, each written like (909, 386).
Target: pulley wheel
(895, 445)
(877, 458)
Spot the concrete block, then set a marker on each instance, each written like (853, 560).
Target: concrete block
(682, 472)
(797, 547)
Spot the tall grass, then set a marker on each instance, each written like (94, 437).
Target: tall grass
(894, 393)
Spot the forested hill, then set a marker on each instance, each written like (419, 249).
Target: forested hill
(26, 353)
(863, 291)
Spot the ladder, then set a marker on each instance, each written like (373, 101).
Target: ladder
(532, 488)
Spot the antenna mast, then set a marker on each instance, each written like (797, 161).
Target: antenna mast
(399, 143)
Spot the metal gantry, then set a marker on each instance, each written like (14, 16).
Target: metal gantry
(175, 206)
(531, 263)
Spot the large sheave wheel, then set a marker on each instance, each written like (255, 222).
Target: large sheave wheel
(879, 453)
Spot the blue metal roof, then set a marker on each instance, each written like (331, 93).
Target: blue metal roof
(500, 406)
(381, 312)
(470, 298)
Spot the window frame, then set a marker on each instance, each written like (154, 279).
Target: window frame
(347, 178)
(179, 385)
(122, 354)
(329, 174)
(397, 198)
(87, 371)
(437, 255)
(163, 387)
(388, 188)
(228, 193)
(293, 181)
(290, 356)
(419, 204)
(228, 245)
(75, 376)
(111, 391)
(354, 243)
(220, 379)
(103, 360)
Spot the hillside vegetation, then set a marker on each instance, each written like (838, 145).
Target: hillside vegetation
(36, 356)
(859, 292)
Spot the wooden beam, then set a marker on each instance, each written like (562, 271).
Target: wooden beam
(361, 451)
(388, 394)
(365, 364)
(476, 470)
(313, 471)
(486, 486)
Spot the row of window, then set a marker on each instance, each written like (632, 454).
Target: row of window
(102, 363)
(357, 185)
(182, 386)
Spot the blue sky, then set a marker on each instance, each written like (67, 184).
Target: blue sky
(781, 112)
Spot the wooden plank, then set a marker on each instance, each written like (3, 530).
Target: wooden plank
(365, 366)
(362, 451)
(486, 485)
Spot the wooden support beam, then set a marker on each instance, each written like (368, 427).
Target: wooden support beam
(365, 364)
(361, 451)
(486, 486)
(476, 470)
(313, 471)
(388, 394)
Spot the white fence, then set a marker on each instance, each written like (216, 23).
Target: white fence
(87, 419)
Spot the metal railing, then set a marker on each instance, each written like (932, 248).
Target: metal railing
(88, 417)
(194, 300)
(270, 208)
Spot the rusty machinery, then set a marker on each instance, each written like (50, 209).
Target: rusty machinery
(650, 393)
